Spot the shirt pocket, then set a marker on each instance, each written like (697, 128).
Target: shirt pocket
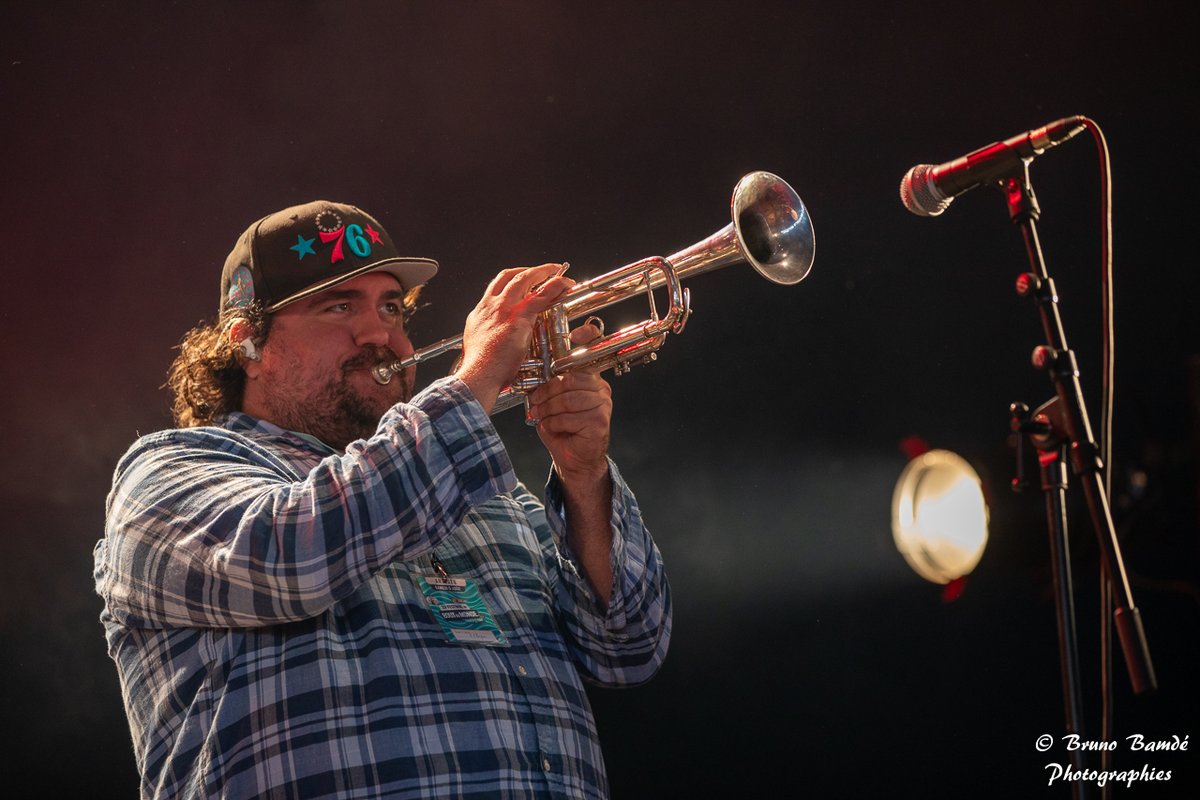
(497, 547)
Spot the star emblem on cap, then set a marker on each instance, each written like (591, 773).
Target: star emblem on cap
(374, 234)
(303, 247)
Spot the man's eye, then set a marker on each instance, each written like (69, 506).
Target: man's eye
(393, 309)
(338, 308)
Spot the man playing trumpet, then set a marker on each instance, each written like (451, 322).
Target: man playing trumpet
(321, 586)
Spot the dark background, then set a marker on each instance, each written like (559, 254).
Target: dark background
(140, 138)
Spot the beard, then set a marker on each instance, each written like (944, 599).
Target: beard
(335, 410)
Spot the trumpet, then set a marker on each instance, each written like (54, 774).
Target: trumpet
(770, 230)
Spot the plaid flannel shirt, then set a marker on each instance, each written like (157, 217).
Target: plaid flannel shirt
(271, 641)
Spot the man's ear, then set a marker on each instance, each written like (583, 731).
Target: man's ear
(241, 332)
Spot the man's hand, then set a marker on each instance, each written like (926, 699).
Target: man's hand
(497, 334)
(574, 413)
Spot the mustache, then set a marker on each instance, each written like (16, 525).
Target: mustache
(368, 357)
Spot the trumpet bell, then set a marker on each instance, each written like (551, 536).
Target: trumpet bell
(770, 230)
(774, 228)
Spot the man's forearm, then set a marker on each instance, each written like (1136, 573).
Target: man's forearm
(588, 505)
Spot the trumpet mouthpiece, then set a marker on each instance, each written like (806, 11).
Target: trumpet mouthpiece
(382, 373)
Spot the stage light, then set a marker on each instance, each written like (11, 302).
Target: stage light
(939, 516)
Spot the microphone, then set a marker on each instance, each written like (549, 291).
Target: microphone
(927, 190)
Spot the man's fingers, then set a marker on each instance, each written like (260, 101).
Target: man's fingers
(588, 331)
(575, 402)
(548, 293)
(573, 393)
(503, 279)
(571, 381)
(518, 286)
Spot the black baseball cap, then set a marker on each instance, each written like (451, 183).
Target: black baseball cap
(306, 249)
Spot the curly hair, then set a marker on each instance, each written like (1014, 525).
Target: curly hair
(207, 379)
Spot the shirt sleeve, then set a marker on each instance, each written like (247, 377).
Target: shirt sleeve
(626, 644)
(206, 527)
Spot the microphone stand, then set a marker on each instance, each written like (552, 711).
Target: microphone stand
(1046, 432)
(1061, 428)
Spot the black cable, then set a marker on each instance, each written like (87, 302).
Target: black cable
(1106, 427)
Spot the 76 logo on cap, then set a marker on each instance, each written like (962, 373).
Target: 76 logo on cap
(331, 229)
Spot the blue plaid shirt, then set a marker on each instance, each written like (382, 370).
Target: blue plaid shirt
(262, 608)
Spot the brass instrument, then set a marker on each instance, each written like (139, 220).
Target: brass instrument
(771, 230)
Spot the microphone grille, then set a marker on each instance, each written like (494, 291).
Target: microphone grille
(919, 195)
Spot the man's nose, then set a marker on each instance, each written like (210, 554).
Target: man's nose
(371, 330)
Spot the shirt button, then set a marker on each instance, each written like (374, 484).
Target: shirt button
(522, 671)
(546, 764)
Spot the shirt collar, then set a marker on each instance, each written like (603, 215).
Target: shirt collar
(240, 422)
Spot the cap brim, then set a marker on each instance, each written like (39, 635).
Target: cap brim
(411, 272)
